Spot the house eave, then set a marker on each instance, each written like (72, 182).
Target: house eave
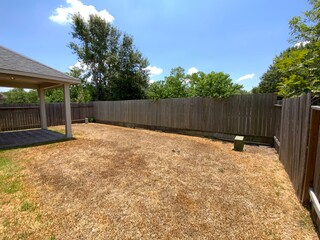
(47, 78)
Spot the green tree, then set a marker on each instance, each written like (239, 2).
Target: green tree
(115, 67)
(299, 67)
(80, 93)
(214, 84)
(178, 85)
(32, 96)
(2, 97)
(307, 27)
(54, 95)
(19, 95)
(255, 90)
(295, 74)
(96, 45)
(131, 79)
(269, 80)
(174, 86)
(157, 90)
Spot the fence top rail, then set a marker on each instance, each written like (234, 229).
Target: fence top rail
(278, 105)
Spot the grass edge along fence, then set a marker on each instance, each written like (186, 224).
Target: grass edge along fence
(249, 115)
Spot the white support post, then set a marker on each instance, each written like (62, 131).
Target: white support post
(67, 107)
(43, 115)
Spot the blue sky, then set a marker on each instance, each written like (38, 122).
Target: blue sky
(237, 37)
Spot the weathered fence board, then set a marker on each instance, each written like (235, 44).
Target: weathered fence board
(24, 116)
(312, 170)
(248, 115)
(277, 124)
(295, 114)
(316, 179)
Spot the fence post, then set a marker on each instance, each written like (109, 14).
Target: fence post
(43, 115)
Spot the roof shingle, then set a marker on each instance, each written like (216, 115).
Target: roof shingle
(12, 61)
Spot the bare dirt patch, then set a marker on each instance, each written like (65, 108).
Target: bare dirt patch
(121, 183)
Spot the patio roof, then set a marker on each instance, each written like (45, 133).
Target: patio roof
(19, 71)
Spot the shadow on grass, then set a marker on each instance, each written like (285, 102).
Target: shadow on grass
(313, 216)
(37, 144)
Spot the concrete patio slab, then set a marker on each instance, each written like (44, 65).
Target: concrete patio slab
(25, 138)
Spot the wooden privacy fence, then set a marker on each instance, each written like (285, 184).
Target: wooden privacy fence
(294, 133)
(248, 115)
(24, 116)
(298, 144)
(312, 177)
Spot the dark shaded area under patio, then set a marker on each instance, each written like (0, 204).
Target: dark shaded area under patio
(25, 138)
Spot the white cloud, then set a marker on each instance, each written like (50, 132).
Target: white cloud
(85, 69)
(80, 65)
(245, 77)
(62, 15)
(301, 44)
(192, 70)
(153, 71)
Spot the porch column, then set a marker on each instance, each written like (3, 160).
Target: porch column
(43, 115)
(67, 108)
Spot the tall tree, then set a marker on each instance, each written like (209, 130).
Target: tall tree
(131, 78)
(300, 66)
(115, 67)
(96, 48)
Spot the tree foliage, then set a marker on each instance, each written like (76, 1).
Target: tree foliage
(179, 84)
(306, 28)
(296, 70)
(131, 78)
(82, 92)
(174, 86)
(116, 68)
(214, 84)
(19, 95)
(269, 81)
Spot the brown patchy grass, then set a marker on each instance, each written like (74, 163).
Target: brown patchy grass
(121, 183)
(20, 216)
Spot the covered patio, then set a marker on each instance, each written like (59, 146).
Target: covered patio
(18, 71)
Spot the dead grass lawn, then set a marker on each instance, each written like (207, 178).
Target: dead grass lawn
(121, 183)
